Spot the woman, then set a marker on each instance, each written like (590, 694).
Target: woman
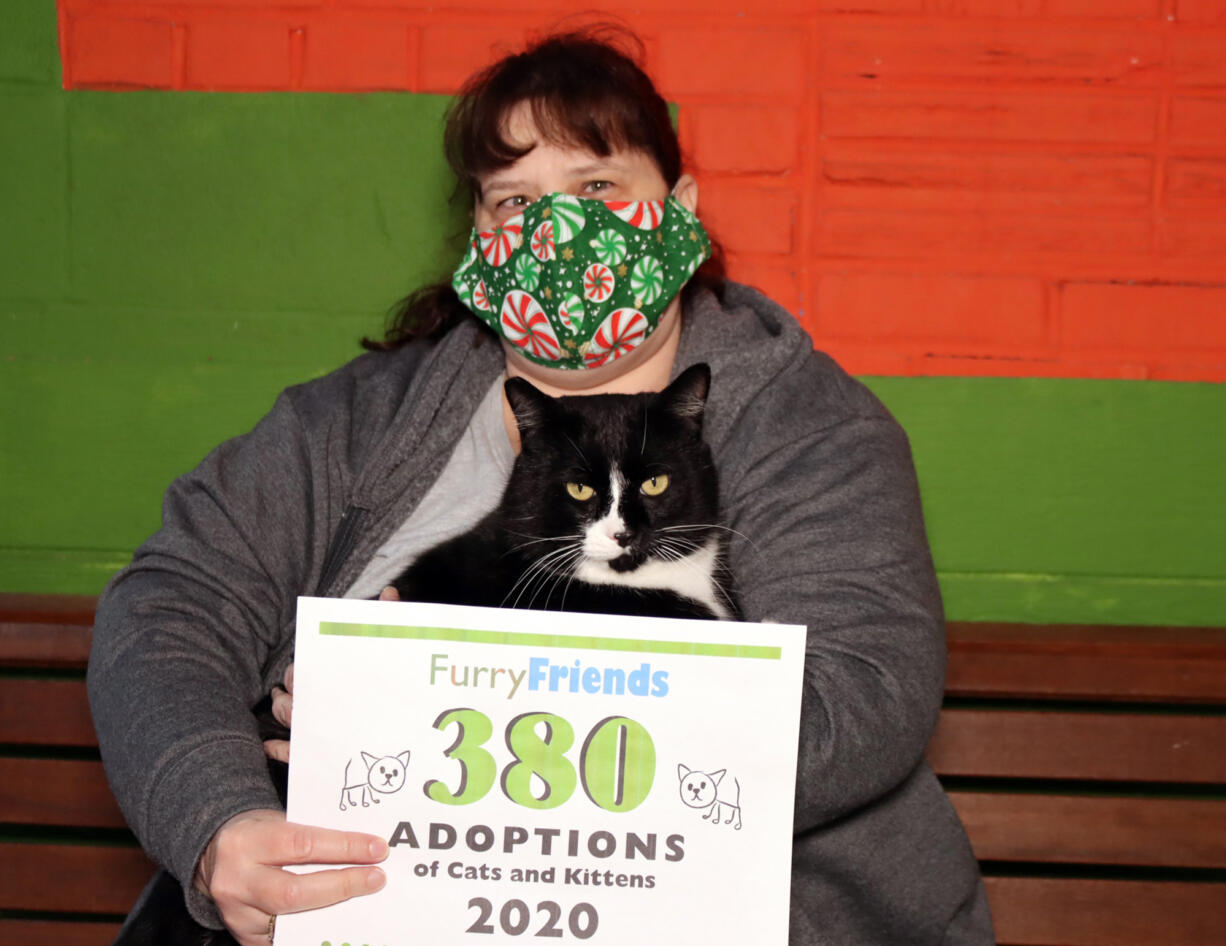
(347, 479)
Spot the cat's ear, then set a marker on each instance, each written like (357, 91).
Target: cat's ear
(403, 758)
(716, 777)
(530, 405)
(682, 771)
(369, 759)
(687, 395)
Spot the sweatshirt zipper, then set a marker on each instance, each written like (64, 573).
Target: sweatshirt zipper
(341, 545)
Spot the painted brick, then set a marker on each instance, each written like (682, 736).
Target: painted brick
(1003, 365)
(749, 60)
(748, 219)
(780, 282)
(1198, 121)
(985, 7)
(33, 193)
(867, 360)
(29, 52)
(991, 237)
(941, 180)
(1004, 116)
(743, 138)
(357, 56)
(871, 6)
(238, 6)
(1196, 184)
(1143, 317)
(1189, 366)
(1197, 238)
(1199, 59)
(1201, 11)
(968, 309)
(450, 54)
(1132, 9)
(241, 54)
(338, 202)
(120, 52)
(987, 52)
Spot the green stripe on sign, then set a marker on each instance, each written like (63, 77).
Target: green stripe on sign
(578, 641)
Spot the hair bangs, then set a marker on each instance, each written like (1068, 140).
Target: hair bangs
(582, 92)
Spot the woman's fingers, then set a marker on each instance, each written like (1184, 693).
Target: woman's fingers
(282, 705)
(389, 594)
(277, 749)
(289, 843)
(241, 870)
(287, 892)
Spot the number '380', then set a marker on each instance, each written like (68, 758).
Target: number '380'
(617, 761)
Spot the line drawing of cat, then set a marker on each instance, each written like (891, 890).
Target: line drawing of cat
(703, 790)
(612, 507)
(373, 774)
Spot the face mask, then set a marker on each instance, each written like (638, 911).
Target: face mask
(578, 283)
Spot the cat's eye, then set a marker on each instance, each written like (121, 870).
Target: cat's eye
(580, 491)
(655, 485)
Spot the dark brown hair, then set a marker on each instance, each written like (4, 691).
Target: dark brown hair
(586, 88)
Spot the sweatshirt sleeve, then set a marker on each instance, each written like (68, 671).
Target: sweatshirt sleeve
(183, 641)
(832, 537)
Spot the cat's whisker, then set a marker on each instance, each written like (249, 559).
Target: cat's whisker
(680, 542)
(546, 538)
(568, 575)
(666, 547)
(526, 577)
(540, 567)
(537, 570)
(558, 573)
(710, 525)
(577, 450)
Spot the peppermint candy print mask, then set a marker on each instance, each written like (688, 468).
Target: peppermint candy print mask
(578, 283)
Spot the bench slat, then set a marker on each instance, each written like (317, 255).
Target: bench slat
(1071, 745)
(53, 933)
(71, 877)
(1094, 829)
(1035, 911)
(61, 792)
(57, 646)
(45, 713)
(1073, 662)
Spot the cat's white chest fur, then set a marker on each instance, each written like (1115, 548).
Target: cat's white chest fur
(692, 576)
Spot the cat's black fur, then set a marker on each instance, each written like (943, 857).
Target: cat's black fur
(526, 552)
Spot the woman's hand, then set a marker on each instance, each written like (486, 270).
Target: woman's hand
(283, 698)
(241, 870)
(282, 710)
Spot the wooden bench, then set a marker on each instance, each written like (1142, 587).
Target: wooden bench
(1088, 764)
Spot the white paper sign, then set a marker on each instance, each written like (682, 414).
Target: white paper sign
(573, 777)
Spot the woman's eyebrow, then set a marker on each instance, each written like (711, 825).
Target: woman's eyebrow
(596, 167)
(505, 185)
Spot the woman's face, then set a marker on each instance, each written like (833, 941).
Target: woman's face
(550, 168)
(623, 175)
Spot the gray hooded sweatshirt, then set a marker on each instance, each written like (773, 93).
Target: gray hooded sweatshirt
(814, 473)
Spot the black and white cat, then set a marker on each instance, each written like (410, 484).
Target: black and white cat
(612, 507)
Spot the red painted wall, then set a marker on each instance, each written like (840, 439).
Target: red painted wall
(974, 187)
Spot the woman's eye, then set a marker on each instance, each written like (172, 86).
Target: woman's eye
(655, 485)
(598, 187)
(580, 491)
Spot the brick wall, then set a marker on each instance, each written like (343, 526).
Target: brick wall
(969, 187)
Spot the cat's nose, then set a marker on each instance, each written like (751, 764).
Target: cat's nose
(622, 538)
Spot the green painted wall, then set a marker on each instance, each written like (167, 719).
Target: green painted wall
(168, 262)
